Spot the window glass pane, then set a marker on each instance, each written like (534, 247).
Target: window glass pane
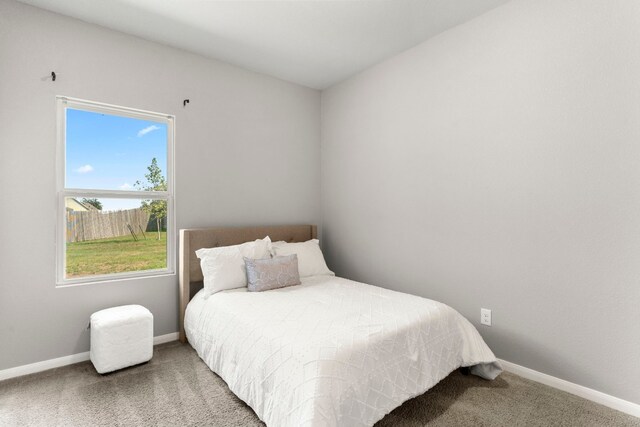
(109, 152)
(110, 235)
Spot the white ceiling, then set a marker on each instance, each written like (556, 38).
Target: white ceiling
(314, 43)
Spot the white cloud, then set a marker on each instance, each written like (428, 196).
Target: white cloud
(126, 186)
(85, 169)
(143, 132)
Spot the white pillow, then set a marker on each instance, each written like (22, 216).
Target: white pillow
(310, 259)
(223, 267)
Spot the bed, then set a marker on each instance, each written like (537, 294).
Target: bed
(328, 352)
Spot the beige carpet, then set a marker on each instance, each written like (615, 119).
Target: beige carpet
(177, 388)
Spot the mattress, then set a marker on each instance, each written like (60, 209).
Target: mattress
(331, 352)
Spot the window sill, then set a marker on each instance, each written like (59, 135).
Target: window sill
(120, 277)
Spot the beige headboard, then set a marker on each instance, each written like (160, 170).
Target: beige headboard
(193, 239)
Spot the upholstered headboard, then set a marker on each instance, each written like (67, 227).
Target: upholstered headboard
(193, 239)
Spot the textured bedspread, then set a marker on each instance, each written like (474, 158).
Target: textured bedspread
(331, 352)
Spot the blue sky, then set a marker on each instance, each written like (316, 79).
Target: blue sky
(108, 152)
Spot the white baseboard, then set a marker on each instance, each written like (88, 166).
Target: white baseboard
(161, 339)
(578, 390)
(32, 368)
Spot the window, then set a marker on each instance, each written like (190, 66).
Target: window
(115, 192)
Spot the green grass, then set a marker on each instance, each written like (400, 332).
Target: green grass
(116, 255)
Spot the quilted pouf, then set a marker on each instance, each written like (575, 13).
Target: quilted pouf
(120, 337)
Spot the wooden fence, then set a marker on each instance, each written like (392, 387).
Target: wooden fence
(91, 225)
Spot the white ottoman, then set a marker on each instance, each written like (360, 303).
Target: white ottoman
(120, 337)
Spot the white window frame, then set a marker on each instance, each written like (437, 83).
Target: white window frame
(63, 103)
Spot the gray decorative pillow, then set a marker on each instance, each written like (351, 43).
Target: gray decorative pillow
(272, 273)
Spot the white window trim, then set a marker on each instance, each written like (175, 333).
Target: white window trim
(61, 239)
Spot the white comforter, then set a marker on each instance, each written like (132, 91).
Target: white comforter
(331, 352)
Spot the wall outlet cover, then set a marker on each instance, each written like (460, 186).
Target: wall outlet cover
(485, 316)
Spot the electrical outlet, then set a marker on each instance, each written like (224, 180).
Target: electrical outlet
(485, 316)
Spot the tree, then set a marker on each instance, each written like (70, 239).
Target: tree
(93, 202)
(155, 181)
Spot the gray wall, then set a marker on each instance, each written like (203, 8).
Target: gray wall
(247, 152)
(498, 165)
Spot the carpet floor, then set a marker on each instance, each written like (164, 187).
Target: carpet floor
(177, 388)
